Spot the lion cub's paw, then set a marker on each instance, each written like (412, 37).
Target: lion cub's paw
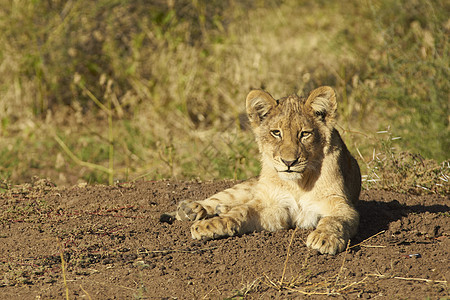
(326, 242)
(213, 228)
(222, 209)
(190, 211)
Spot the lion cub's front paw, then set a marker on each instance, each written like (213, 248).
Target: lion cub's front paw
(190, 211)
(326, 242)
(213, 228)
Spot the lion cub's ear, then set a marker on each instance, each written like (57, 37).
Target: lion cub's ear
(259, 104)
(322, 102)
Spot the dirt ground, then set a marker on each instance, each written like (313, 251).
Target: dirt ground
(114, 246)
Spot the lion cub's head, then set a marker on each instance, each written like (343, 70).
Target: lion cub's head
(292, 133)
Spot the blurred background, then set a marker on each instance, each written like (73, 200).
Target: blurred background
(105, 91)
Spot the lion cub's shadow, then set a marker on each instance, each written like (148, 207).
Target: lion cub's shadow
(376, 216)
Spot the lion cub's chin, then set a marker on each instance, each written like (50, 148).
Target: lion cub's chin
(290, 175)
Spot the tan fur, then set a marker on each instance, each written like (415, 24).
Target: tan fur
(308, 178)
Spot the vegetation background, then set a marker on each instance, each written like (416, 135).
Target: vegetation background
(107, 90)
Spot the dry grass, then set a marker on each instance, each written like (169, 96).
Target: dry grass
(337, 284)
(300, 283)
(63, 269)
(391, 169)
(159, 95)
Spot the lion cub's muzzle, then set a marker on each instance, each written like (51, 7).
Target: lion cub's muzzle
(291, 165)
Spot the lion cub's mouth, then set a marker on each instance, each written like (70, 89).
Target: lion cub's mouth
(289, 171)
(290, 174)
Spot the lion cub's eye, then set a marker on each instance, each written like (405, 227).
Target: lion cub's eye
(305, 134)
(276, 133)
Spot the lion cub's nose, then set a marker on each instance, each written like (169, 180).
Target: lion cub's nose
(289, 163)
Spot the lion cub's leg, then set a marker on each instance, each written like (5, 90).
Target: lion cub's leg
(226, 224)
(219, 204)
(334, 231)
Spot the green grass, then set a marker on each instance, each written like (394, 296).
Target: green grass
(174, 79)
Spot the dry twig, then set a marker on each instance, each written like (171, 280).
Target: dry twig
(369, 246)
(408, 278)
(287, 258)
(63, 265)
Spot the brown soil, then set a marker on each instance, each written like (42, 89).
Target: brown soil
(115, 246)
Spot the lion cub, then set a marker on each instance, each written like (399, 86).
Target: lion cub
(308, 177)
